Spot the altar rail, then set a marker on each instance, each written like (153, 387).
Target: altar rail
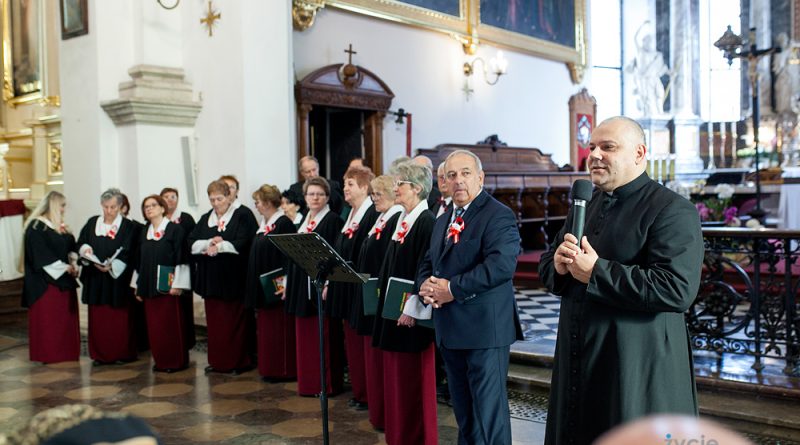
(748, 298)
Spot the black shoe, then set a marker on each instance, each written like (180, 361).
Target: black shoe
(99, 363)
(242, 370)
(209, 369)
(352, 402)
(361, 406)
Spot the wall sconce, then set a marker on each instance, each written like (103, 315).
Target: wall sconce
(177, 2)
(498, 66)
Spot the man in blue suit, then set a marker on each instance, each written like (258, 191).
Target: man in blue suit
(467, 277)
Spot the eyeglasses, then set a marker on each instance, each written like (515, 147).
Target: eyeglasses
(399, 183)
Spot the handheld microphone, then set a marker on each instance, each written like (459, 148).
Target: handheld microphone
(581, 195)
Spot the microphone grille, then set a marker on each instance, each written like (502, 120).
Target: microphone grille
(582, 189)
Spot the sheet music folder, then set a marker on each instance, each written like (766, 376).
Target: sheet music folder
(310, 251)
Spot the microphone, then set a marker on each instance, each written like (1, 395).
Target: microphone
(581, 195)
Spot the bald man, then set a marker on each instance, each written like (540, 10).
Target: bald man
(623, 349)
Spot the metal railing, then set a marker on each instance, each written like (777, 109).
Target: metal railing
(748, 298)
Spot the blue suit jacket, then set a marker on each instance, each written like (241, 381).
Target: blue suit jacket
(480, 268)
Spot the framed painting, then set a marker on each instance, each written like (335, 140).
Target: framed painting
(24, 51)
(442, 15)
(74, 18)
(553, 29)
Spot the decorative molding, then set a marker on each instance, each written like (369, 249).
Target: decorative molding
(54, 165)
(156, 95)
(336, 85)
(304, 12)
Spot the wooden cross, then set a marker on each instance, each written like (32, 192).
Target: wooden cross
(211, 16)
(350, 53)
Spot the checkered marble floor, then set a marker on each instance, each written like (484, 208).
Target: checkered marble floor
(538, 313)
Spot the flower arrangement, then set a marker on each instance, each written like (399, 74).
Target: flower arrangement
(719, 208)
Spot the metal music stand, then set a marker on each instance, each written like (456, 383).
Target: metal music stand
(318, 259)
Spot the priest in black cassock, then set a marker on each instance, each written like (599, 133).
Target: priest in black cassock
(186, 221)
(301, 301)
(275, 328)
(623, 349)
(106, 247)
(163, 250)
(409, 375)
(220, 243)
(370, 260)
(340, 296)
(48, 289)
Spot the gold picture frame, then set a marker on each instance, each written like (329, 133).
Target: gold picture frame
(24, 57)
(467, 27)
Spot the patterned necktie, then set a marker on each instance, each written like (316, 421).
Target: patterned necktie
(459, 212)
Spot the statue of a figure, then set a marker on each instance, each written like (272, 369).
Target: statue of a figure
(647, 68)
(787, 76)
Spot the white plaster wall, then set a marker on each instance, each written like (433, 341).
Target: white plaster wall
(527, 108)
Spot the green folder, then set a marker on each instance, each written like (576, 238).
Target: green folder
(272, 282)
(397, 292)
(165, 275)
(370, 295)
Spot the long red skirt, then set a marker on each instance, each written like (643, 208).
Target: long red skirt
(53, 328)
(165, 329)
(354, 347)
(276, 345)
(308, 376)
(227, 335)
(373, 360)
(409, 382)
(111, 334)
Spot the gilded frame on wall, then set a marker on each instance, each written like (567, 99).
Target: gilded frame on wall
(24, 61)
(54, 165)
(467, 25)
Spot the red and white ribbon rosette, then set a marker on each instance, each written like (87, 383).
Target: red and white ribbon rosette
(455, 230)
(379, 228)
(311, 226)
(401, 235)
(158, 234)
(351, 230)
(268, 228)
(112, 232)
(221, 226)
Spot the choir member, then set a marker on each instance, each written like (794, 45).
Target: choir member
(373, 251)
(187, 223)
(275, 328)
(163, 244)
(106, 248)
(340, 296)
(408, 351)
(301, 301)
(291, 204)
(137, 307)
(219, 244)
(48, 289)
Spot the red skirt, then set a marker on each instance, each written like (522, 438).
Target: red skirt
(165, 329)
(276, 346)
(373, 363)
(354, 347)
(53, 328)
(308, 375)
(409, 382)
(111, 334)
(227, 335)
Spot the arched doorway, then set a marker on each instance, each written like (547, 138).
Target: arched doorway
(340, 110)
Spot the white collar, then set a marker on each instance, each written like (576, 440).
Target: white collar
(409, 219)
(102, 229)
(356, 216)
(162, 229)
(384, 217)
(214, 221)
(271, 221)
(298, 218)
(176, 217)
(47, 222)
(317, 218)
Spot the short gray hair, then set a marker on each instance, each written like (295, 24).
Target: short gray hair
(417, 174)
(111, 193)
(474, 157)
(396, 162)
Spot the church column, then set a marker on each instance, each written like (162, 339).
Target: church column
(686, 138)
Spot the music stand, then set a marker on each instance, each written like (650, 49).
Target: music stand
(318, 259)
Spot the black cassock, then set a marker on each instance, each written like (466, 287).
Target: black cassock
(275, 338)
(187, 223)
(112, 335)
(53, 331)
(303, 305)
(164, 316)
(220, 281)
(137, 307)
